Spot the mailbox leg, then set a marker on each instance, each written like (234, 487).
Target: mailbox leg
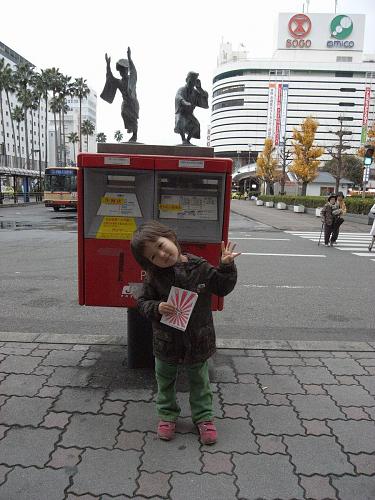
(140, 353)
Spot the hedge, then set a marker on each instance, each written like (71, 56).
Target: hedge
(354, 205)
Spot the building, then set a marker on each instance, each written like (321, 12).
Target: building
(16, 170)
(319, 69)
(71, 122)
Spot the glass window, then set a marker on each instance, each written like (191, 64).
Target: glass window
(227, 104)
(227, 90)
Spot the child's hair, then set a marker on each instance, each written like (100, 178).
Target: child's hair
(149, 232)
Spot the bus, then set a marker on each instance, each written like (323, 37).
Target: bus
(60, 187)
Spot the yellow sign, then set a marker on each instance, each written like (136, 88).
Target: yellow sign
(106, 200)
(170, 207)
(116, 228)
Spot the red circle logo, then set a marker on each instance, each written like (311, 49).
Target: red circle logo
(299, 26)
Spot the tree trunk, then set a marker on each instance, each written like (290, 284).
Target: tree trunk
(80, 124)
(74, 153)
(56, 143)
(26, 138)
(272, 191)
(46, 132)
(13, 130)
(19, 144)
(4, 152)
(304, 188)
(337, 185)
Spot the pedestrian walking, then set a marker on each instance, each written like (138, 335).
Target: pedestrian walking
(328, 218)
(372, 231)
(156, 249)
(339, 216)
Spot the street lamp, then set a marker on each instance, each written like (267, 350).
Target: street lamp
(250, 147)
(238, 158)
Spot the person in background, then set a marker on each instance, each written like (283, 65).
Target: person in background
(372, 231)
(339, 214)
(328, 218)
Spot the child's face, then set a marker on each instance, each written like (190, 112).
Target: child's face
(332, 201)
(162, 253)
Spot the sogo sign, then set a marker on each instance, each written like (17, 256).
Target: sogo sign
(299, 27)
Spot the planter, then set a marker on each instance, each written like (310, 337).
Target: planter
(299, 209)
(281, 206)
(269, 204)
(259, 203)
(317, 212)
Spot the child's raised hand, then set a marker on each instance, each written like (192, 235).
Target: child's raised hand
(166, 308)
(227, 254)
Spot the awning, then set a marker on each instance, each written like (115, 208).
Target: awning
(19, 171)
(244, 175)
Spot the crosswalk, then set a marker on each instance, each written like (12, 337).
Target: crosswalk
(356, 243)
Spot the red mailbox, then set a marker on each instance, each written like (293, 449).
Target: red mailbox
(118, 192)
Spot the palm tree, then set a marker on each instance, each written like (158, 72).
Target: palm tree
(88, 128)
(55, 107)
(7, 83)
(118, 136)
(18, 116)
(81, 90)
(73, 138)
(101, 137)
(66, 90)
(2, 68)
(23, 78)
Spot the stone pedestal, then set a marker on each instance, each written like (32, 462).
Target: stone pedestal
(154, 149)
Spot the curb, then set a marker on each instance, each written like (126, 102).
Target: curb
(250, 344)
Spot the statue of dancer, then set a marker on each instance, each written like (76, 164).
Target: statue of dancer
(127, 86)
(187, 98)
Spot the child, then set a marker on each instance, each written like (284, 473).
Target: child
(156, 249)
(328, 214)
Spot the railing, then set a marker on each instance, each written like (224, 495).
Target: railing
(11, 199)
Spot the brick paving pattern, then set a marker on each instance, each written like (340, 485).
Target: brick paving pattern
(76, 423)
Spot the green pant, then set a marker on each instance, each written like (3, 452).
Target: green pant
(200, 391)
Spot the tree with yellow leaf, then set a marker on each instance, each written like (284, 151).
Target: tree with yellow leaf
(305, 162)
(266, 166)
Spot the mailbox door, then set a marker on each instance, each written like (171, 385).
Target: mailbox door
(116, 202)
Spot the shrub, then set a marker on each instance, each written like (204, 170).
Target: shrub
(354, 205)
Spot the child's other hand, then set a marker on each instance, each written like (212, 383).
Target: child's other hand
(227, 254)
(166, 308)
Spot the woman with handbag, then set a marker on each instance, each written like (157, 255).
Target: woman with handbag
(339, 217)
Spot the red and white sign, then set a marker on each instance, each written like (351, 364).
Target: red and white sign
(278, 114)
(299, 26)
(366, 106)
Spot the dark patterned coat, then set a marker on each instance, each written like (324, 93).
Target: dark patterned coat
(197, 343)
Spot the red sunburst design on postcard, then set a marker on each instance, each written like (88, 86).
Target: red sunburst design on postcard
(184, 301)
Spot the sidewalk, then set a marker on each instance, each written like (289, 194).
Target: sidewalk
(75, 422)
(287, 220)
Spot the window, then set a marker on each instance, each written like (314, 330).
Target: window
(346, 103)
(344, 74)
(227, 104)
(348, 89)
(227, 90)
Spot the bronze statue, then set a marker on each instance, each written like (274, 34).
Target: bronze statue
(127, 86)
(187, 98)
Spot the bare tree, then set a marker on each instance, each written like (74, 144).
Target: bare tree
(285, 156)
(336, 151)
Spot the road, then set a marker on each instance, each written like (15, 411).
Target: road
(289, 288)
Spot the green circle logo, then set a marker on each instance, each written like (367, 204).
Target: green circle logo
(341, 27)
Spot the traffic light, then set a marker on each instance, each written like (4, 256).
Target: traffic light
(369, 153)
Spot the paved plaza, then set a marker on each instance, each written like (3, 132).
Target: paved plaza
(75, 422)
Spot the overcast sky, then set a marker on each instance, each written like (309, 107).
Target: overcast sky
(168, 38)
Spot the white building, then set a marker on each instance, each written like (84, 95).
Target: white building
(71, 121)
(25, 169)
(319, 70)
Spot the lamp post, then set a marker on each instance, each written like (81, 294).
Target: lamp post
(250, 147)
(238, 158)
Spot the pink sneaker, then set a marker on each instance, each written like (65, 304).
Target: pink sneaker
(166, 430)
(207, 432)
